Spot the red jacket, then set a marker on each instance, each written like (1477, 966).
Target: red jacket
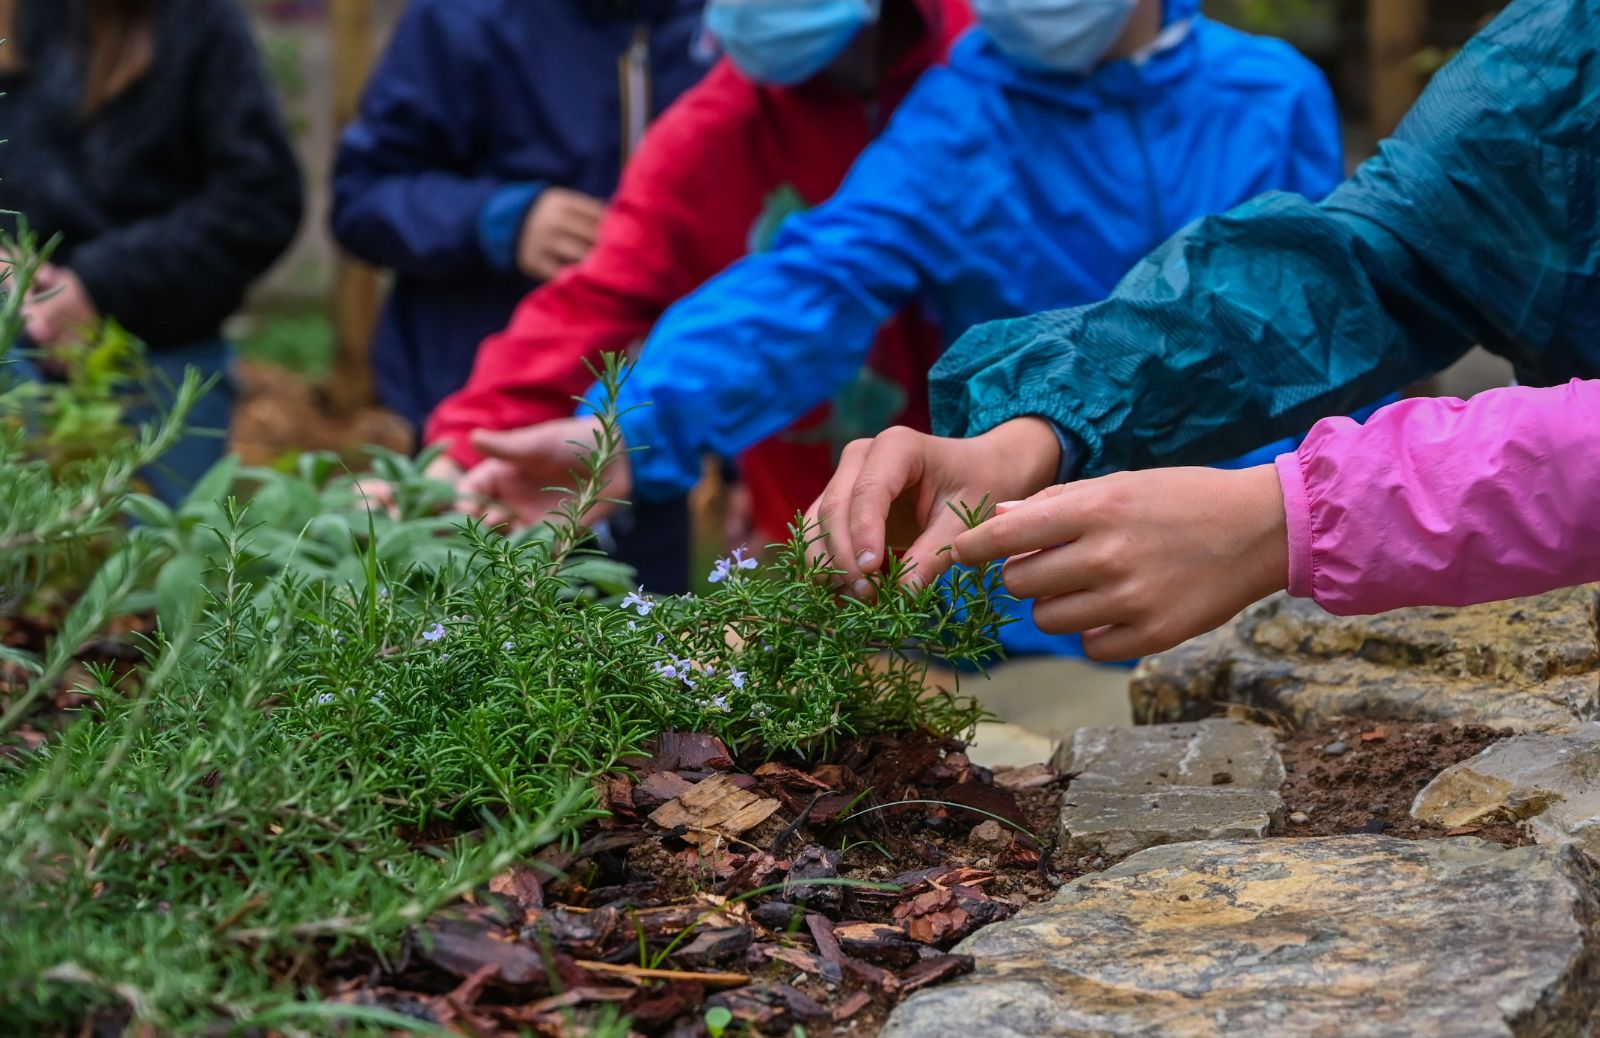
(691, 203)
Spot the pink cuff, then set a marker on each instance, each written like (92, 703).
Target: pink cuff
(1297, 514)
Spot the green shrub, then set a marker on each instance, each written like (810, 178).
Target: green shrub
(250, 795)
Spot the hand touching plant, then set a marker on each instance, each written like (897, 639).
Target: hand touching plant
(527, 472)
(896, 491)
(58, 308)
(1140, 561)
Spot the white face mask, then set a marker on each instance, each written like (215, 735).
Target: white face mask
(1055, 35)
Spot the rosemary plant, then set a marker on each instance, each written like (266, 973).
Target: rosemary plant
(187, 856)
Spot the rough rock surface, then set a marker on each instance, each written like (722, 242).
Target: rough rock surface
(1530, 664)
(1134, 788)
(1354, 936)
(1549, 779)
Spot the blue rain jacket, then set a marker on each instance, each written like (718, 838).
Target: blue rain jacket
(1478, 222)
(477, 106)
(994, 192)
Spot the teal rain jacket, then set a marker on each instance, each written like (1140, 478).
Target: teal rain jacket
(993, 192)
(1478, 222)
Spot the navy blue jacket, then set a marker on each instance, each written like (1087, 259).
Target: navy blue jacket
(477, 105)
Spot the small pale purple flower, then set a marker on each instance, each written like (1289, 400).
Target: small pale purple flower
(325, 698)
(730, 566)
(719, 702)
(737, 678)
(660, 638)
(666, 670)
(433, 633)
(507, 645)
(638, 600)
(633, 625)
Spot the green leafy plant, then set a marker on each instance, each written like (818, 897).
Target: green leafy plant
(718, 1020)
(252, 798)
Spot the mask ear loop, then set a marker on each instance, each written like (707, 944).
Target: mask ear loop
(1165, 40)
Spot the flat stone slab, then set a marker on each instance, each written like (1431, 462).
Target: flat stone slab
(1134, 788)
(1529, 664)
(1551, 780)
(1349, 936)
(1216, 752)
(1121, 823)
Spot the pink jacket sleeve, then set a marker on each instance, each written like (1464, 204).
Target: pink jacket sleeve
(1447, 502)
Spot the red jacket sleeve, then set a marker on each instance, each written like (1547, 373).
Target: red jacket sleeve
(665, 233)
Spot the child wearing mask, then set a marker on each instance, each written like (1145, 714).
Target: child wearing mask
(488, 142)
(771, 131)
(144, 134)
(1065, 139)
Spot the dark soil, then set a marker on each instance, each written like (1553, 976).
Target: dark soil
(1369, 787)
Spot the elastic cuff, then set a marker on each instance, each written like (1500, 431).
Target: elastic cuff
(1297, 514)
(1067, 470)
(500, 222)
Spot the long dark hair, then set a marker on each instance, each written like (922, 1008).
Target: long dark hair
(118, 39)
(121, 39)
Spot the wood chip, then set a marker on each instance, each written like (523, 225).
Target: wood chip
(715, 980)
(715, 807)
(1034, 776)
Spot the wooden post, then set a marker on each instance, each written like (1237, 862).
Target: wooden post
(355, 287)
(1396, 32)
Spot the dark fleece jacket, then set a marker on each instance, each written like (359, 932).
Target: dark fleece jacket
(171, 198)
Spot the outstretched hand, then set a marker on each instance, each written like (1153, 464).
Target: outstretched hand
(897, 491)
(527, 473)
(1140, 561)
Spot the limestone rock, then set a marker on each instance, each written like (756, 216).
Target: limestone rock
(1121, 823)
(1355, 936)
(1150, 757)
(1549, 779)
(1134, 788)
(1530, 664)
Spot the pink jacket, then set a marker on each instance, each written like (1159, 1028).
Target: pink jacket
(1447, 502)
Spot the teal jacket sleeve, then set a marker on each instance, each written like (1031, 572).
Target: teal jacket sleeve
(1476, 223)
(781, 331)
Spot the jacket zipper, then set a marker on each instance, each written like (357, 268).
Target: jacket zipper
(634, 87)
(1152, 189)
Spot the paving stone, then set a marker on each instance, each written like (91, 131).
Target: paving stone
(1121, 823)
(1351, 936)
(1146, 757)
(1529, 664)
(1551, 780)
(1134, 788)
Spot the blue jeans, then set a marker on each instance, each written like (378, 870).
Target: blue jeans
(205, 439)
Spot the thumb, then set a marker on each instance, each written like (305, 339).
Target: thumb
(523, 444)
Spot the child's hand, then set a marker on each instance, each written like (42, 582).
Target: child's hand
(521, 480)
(58, 309)
(1140, 561)
(559, 231)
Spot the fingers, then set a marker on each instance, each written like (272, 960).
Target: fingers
(1076, 611)
(829, 515)
(1053, 516)
(529, 444)
(1121, 642)
(929, 556)
(892, 464)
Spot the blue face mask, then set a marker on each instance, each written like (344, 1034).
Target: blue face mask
(784, 42)
(1055, 35)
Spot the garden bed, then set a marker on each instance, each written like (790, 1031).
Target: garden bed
(671, 925)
